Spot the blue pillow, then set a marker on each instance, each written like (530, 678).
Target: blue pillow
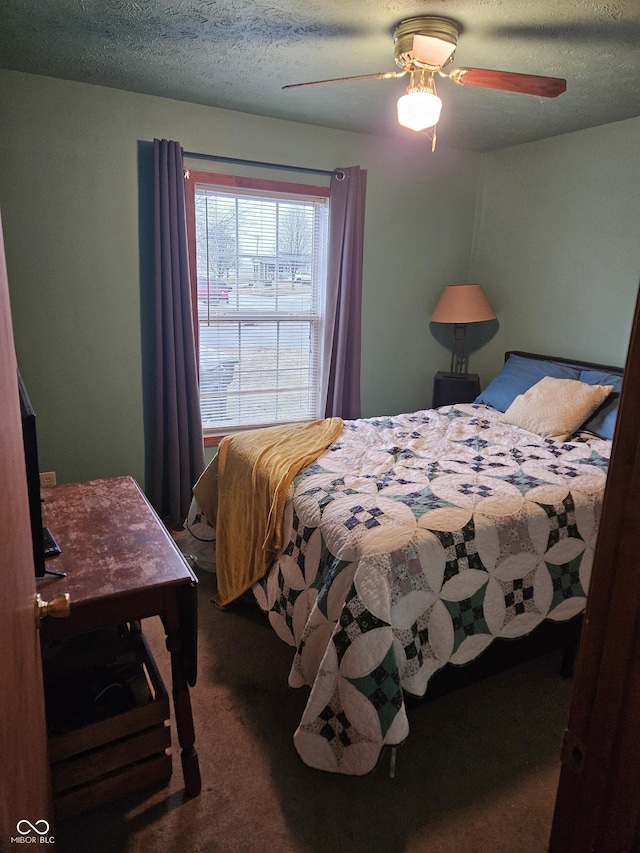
(603, 421)
(517, 375)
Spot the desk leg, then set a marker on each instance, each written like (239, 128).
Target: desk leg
(181, 699)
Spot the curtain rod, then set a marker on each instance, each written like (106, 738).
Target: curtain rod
(221, 159)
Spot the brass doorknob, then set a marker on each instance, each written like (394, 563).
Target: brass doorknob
(58, 607)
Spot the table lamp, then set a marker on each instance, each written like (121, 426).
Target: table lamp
(460, 304)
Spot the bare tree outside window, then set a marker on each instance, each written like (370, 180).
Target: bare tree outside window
(216, 242)
(295, 237)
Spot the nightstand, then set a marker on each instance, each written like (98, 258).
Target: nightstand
(449, 388)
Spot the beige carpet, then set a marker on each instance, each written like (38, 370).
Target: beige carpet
(477, 775)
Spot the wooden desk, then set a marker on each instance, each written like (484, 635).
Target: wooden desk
(122, 565)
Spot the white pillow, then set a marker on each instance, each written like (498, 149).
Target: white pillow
(555, 408)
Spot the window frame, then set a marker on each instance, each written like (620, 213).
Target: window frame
(191, 178)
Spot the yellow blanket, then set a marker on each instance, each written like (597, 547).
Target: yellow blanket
(243, 492)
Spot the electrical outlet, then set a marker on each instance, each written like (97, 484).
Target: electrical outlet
(48, 478)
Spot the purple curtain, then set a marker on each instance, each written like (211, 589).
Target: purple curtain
(177, 452)
(344, 292)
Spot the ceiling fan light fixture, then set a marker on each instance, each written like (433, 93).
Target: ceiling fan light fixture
(423, 46)
(426, 41)
(419, 109)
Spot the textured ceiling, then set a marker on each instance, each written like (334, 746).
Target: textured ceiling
(238, 54)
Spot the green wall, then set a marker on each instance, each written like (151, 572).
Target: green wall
(75, 196)
(551, 229)
(557, 244)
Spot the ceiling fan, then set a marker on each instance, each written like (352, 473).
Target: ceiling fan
(423, 47)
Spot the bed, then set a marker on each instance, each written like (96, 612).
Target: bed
(417, 546)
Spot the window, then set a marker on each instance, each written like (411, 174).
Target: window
(258, 269)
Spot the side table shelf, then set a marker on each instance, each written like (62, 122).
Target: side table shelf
(106, 759)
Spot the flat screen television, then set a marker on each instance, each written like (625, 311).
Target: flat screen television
(44, 545)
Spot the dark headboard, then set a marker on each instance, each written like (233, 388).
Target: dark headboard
(580, 365)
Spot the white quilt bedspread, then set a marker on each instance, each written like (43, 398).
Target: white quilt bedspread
(413, 542)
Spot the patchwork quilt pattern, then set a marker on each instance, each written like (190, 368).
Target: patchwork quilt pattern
(414, 542)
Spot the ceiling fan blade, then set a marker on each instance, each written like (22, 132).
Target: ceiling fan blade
(509, 81)
(383, 75)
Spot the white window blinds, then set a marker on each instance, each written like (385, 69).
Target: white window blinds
(260, 261)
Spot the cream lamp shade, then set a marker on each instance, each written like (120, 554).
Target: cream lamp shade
(461, 304)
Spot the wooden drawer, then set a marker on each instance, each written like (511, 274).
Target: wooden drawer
(104, 760)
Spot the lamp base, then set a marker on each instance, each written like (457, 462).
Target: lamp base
(450, 388)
